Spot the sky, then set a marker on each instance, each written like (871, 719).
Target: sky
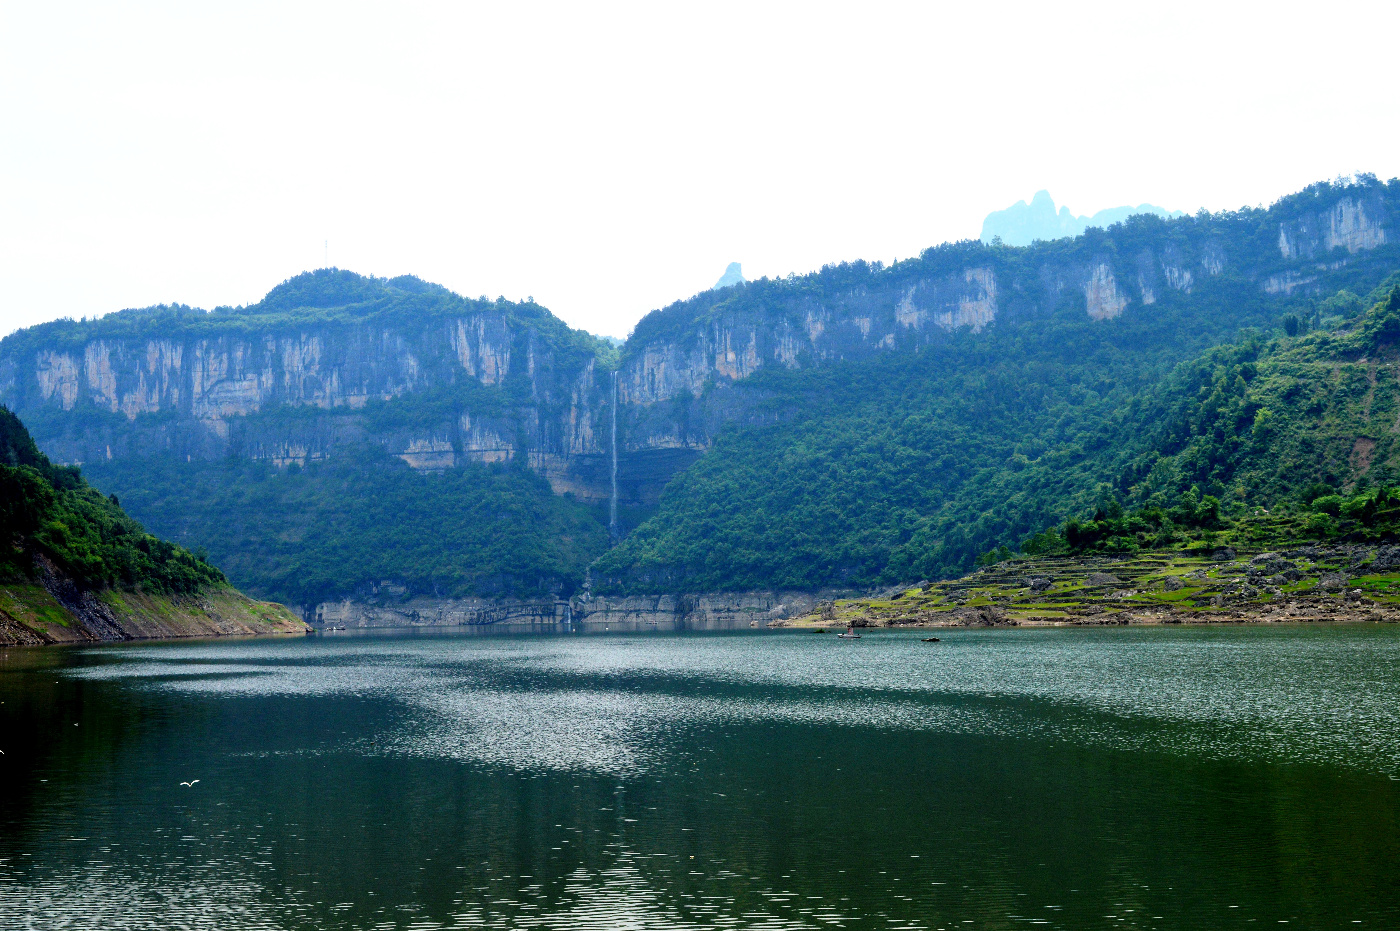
(607, 159)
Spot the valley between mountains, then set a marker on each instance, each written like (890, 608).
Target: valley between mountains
(384, 452)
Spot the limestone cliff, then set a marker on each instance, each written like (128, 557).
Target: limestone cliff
(330, 359)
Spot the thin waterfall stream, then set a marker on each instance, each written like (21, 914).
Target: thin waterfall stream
(612, 502)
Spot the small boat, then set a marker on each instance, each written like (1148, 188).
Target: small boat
(850, 634)
(929, 640)
(335, 628)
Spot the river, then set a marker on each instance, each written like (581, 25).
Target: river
(1150, 778)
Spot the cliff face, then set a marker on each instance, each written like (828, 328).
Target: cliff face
(328, 361)
(468, 386)
(677, 358)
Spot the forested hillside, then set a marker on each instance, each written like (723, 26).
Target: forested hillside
(352, 525)
(895, 473)
(1264, 441)
(74, 568)
(49, 513)
(348, 437)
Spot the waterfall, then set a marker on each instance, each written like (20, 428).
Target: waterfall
(612, 502)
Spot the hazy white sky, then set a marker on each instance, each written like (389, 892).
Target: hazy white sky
(608, 159)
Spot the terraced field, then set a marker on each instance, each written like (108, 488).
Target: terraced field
(1309, 583)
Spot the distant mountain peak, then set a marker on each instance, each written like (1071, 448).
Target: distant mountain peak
(1022, 224)
(733, 275)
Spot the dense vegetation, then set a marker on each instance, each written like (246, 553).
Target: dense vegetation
(1316, 513)
(913, 467)
(907, 465)
(1296, 436)
(50, 512)
(342, 527)
(317, 298)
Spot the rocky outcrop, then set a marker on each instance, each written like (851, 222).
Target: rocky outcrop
(1352, 223)
(733, 274)
(1101, 296)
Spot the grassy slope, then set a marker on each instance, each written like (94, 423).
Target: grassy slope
(112, 579)
(1301, 585)
(30, 615)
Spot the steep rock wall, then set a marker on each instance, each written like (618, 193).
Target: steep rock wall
(489, 382)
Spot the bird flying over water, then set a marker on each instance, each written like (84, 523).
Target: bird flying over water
(190, 783)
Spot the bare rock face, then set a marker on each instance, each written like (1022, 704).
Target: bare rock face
(718, 611)
(1334, 582)
(1101, 294)
(1102, 578)
(979, 617)
(1352, 223)
(1387, 559)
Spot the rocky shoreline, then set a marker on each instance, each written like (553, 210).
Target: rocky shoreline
(1307, 584)
(583, 612)
(1287, 613)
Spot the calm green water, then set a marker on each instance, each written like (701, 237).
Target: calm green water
(1003, 779)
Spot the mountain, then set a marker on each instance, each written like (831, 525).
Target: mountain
(897, 469)
(1022, 224)
(75, 567)
(362, 441)
(733, 275)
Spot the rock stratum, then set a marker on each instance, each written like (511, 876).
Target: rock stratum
(582, 612)
(55, 612)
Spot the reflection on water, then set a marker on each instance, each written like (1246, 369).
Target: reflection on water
(1152, 779)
